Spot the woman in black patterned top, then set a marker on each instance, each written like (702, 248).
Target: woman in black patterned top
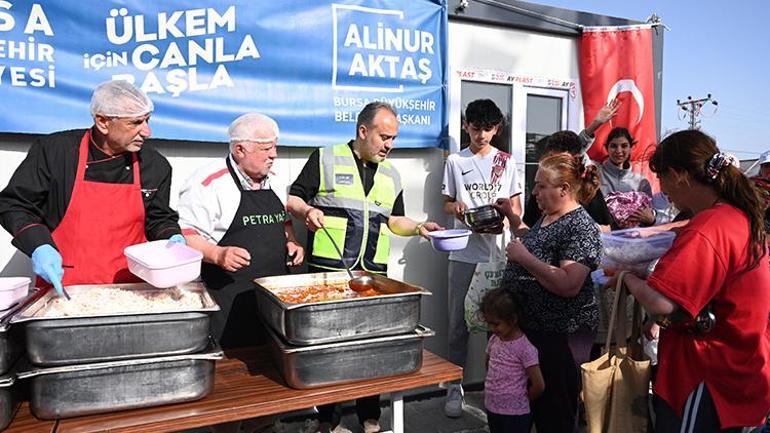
(548, 271)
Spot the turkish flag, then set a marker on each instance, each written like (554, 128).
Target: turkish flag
(616, 62)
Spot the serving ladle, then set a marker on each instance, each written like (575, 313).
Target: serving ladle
(357, 284)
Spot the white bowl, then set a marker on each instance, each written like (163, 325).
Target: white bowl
(12, 289)
(163, 263)
(449, 240)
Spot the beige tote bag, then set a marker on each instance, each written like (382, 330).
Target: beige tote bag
(616, 386)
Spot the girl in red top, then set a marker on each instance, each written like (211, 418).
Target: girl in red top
(714, 284)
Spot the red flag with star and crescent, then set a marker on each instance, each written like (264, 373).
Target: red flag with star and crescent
(616, 62)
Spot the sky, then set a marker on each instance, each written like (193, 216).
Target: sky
(718, 47)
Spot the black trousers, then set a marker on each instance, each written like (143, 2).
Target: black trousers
(509, 423)
(366, 408)
(700, 415)
(555, 411)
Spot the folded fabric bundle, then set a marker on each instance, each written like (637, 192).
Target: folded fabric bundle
(623, 204)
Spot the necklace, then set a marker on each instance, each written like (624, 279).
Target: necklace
(96, 146)
(109, 158)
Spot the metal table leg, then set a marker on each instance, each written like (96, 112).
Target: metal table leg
(396, 412)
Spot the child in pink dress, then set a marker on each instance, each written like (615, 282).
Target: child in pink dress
(511, 363)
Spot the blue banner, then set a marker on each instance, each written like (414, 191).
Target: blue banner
(311, 65)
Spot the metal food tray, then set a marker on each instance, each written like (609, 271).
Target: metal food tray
(55, 341)
(395, 311)
(63, 392)
(11, 337)
(8, 400)
(335, 363)
(11, 346)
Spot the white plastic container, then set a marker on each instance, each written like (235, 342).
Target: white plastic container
(641, 269)
(12, 289)
(634, 249)
(163, 263)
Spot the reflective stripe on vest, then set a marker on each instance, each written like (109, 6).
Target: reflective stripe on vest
(355, 220)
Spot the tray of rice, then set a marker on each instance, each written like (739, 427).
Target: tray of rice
(115, 322)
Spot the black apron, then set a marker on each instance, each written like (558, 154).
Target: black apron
(258, 227)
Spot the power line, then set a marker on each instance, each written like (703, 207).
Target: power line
(694, 108)
(759, 115)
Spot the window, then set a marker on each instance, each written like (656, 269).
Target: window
(501, 95)
(546, 114)
(534, 107)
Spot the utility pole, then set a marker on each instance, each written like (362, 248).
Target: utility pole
(694, 108)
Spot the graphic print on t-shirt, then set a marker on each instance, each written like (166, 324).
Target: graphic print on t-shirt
(477, 180)
(482, 192)
(489, 190)
(498, 167)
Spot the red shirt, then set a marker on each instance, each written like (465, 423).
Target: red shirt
(708, 263)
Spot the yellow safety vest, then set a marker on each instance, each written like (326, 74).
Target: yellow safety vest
(358, 222)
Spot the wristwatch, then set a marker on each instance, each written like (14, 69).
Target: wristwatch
(417, 228)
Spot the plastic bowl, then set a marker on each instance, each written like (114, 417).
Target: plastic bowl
(163, 263)
(449, 240)
(636, 246)
(12, 289)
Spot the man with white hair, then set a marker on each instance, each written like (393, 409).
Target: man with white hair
(81, 196)
(233, 211)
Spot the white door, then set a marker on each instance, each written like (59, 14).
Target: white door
(533, 108)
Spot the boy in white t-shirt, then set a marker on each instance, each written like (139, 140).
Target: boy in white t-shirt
(477, 175)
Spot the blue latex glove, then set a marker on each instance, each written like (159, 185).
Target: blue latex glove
(177, 239)
(46, 262)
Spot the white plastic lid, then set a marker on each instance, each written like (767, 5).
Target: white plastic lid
(639, 235)
(161, 254)
(13, 283)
